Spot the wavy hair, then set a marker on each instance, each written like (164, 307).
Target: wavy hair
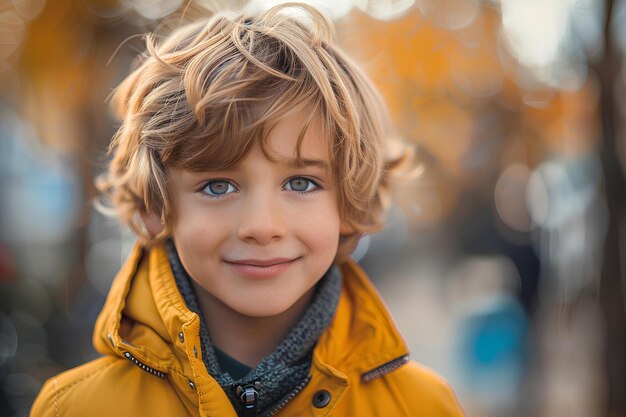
(204, 95)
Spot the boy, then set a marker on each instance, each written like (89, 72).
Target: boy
(249, 162)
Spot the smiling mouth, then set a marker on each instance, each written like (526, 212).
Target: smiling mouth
(261, 268)
(262, 262)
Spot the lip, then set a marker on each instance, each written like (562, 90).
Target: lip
(260, 262)
(261, 268)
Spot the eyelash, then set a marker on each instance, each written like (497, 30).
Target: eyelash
(203, 193)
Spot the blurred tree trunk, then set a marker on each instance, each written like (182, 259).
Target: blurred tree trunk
(611, 291)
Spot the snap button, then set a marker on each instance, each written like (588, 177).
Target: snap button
(195, 351)
(192, 385)
(321, 398)
(181, 337)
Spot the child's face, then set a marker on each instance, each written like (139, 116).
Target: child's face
(258, 237)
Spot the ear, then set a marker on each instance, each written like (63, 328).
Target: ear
(153, 223)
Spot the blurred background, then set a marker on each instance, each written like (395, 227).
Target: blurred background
(503, 264)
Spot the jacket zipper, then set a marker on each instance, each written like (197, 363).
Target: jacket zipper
(385, 368)
(290, 396)
(143, 366)
(249, 396)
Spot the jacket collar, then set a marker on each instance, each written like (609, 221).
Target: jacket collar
(145, 316)
(363, 336)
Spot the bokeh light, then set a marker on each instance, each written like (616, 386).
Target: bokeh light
(384, 9)
(8, 339)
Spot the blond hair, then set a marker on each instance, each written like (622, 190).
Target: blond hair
(203, 96)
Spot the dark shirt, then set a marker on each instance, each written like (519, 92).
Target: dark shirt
(236, 369)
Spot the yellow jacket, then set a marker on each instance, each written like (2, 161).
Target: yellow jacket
(152, 364)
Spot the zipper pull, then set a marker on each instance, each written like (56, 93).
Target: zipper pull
(249, 394)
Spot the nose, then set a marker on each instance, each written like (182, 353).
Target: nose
(262, 219)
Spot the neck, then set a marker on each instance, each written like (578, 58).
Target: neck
(244, 338)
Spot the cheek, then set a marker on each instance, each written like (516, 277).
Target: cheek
(321, 228)
(195, 227)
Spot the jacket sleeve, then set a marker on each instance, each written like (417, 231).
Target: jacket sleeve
(427, 393)
(45, 403)
(454, 408)
(71, 393)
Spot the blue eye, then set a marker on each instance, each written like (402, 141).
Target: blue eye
(301, 185)
(218, 188)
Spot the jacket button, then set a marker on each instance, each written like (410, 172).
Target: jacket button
(195, 351)
(181, 337)
(321, 398)
(192, 385)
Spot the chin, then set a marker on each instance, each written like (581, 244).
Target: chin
(261, 310)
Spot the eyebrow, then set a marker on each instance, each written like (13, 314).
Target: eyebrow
(293, 163)
(305, 162)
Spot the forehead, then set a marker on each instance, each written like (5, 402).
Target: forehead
(297, 137)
